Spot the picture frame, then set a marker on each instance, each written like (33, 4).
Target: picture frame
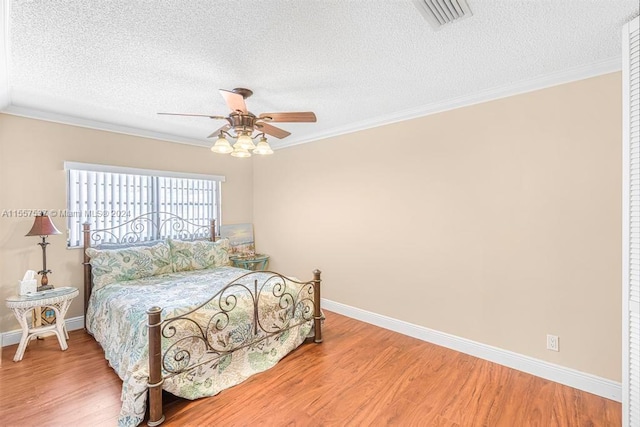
(43, 316)
(241, 240)
(47, 316)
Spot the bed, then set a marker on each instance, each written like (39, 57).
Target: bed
(172, 315)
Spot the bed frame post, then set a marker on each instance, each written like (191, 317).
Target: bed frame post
(87, 268)
(317, 313)
(155, 371)
(212, 230)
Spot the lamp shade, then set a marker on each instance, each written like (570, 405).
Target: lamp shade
(43, 226)
(263, 147)
(240, 151)
(222, 146)
(245, 142)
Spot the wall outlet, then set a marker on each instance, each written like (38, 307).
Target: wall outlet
(553, 343)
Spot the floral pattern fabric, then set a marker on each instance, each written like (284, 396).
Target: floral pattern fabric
(118, 265)
(117, 318)
(198, 254)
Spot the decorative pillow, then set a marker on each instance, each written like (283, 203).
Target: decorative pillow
(146, 243)
(199, 254)
(118, 265)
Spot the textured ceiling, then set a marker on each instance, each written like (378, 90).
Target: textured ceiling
(356, 63)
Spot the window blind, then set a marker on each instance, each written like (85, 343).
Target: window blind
(108, 196)
(631, 225)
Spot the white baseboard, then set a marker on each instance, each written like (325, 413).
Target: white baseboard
(550, 371)
(13, 337)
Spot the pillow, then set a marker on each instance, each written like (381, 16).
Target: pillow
(128, 245)
(199, 254)
(118, 265)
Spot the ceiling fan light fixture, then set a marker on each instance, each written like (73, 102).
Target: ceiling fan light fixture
(242, 124)
(263, 147)
(239, 151)
(245, 142)
(222, 146)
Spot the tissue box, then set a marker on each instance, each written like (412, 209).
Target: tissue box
(27, 286)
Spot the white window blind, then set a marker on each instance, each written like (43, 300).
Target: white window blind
(107, 197)
(631, 226)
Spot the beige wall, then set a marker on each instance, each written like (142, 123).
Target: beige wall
(499, 222)
(32, 153)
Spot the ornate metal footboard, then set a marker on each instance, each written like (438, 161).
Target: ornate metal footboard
(201, 337)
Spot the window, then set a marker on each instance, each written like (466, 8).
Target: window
(107, 196)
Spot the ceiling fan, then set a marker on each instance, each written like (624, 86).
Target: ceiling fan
(244, 123)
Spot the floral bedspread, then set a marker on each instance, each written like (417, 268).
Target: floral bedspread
(117, 319)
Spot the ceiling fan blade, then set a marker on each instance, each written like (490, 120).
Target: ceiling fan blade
(194, 115)
(289, 117)
(217, 132)
(235, 101)
(272, 130)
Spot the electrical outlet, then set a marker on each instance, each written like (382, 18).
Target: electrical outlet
(553, 343)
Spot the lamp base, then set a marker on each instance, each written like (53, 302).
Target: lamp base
(45, 287)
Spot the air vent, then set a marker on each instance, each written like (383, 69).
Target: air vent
(442, 12)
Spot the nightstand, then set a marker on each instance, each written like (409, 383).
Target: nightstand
(57, 299)
(254, 263)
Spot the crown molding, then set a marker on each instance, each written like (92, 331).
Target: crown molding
(5, 100)
(49, 116)
(549, 80)
(517, 88)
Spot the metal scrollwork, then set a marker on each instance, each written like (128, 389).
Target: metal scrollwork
(270, 303)
(149, 227)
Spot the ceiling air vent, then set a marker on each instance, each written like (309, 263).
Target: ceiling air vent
(442, 12)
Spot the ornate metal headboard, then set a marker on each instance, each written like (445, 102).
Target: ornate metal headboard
(149, 227)
(141, 230)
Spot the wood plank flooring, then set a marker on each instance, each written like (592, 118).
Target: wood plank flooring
(360, 376)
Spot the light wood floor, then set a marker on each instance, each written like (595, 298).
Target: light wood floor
(361, 375)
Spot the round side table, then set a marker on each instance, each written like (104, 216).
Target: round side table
(255, 263)
(57, 299)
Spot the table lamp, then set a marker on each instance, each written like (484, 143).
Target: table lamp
(43, 227)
